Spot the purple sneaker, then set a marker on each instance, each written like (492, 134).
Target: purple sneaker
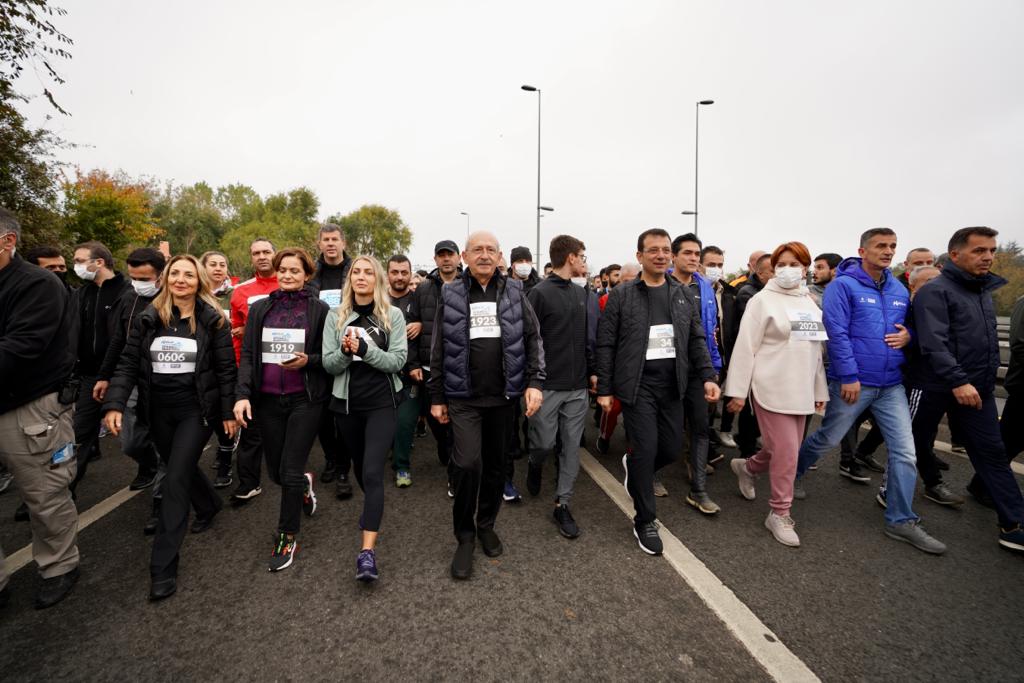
(366, 566)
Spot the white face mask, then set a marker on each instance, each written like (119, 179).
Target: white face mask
(581, 281)
(522, 270)
(713, 273)
(143, 288)
(83, 272)
(789, 277)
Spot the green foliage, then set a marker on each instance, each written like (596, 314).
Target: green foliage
(110, 208)
(190, 217)
(28, 36)
(375, 230)
(1009, 264)
(286, 219)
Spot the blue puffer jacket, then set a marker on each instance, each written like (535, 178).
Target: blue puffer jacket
(709, 318)
(858, 314)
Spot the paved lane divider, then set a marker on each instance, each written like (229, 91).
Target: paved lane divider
(767, 648)
(24, 556)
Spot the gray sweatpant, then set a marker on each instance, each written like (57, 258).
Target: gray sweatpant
(562, 412)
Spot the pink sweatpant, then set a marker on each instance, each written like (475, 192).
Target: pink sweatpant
(781, 436)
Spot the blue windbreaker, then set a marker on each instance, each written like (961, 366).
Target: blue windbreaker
(709, 318)
(858, 314)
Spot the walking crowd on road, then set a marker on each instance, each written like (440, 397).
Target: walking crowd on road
(500, 364)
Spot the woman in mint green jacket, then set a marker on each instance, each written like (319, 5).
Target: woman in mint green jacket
(365, 349)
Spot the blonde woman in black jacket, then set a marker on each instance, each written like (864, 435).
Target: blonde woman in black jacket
(179, 354)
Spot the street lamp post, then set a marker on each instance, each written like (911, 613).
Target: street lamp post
(530, 88)
(696, 163)
(467, 222)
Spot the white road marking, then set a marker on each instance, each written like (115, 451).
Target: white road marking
(766, 647)
(24, 556)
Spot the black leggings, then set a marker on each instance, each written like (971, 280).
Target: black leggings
(179, 433)
(368, 435)
(289, 427)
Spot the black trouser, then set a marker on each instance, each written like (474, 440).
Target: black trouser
(696, 411)
(725, 424)
(848, 444)
(289, 427)
(871, 441)
(336, 454)
(250, 455)
(926, 411)
(180, 433)
(980, 432)
(442, 433)
(516, 448)
(225, 446)
(478, 475)
(1012, 426)
(88, 414)
(654, 425)
(368, 435)
(746, 437)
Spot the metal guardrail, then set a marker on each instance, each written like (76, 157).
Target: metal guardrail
(1003, 329)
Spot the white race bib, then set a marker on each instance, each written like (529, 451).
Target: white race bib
(483, 320)
(332, 297)
(173, 355)
(279, 344)
(806, 325)
(662, 342)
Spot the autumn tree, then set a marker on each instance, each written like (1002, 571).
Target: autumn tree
(374, 229)
(1009, 264)
(112, 209)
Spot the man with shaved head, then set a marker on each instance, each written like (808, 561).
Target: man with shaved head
(751, 268)
(486, 354)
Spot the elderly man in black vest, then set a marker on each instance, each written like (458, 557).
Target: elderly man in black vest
(486, 354)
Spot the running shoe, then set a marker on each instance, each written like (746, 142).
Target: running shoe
(329, 474)
(284, 552)
(366, 566)
(1012, 538)
(223, 479)
(403, 479)
(647, 538)
(868, 460)
(913, 533)
(852, 471)
(309, 496)
(566, 524)
(421, 430)
(726, 439)
(880, 498)
(701, 501)
(943, 495)
(744, 478)
(511, 494)
(783, 528)
(659, 489)
(246, 493)
(799, 492)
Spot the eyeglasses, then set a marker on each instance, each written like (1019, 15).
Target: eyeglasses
(582, 257)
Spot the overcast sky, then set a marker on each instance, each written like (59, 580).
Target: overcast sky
(829, 118)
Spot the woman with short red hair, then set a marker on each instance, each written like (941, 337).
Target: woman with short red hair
(777, 361)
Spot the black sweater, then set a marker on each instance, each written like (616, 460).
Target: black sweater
(563, 312)
(36, 320)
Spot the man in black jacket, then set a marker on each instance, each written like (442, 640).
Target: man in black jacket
(748, 433)
(36, 436)
(486, 354)
(520, 268)
(428, 300)
(650, 341)
(712, 267)
(564, 310)
(97, 319)
(955, 371)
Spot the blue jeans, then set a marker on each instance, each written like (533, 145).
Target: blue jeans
(892, 415)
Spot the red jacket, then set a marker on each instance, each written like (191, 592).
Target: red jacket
(245, 295)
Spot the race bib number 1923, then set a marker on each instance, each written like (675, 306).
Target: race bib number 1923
(806, 325)
(662, 342)
(483, 320)
(173, 355)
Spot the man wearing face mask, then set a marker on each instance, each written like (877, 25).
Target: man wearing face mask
(97, 321)
(864, 311)
(52, 260)
(712, 266)
(145, 268)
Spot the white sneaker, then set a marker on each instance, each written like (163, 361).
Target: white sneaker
(726, 439)
(743, 477)
(783, 529)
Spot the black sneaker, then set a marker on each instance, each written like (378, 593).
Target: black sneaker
(943, 495)
(342, 488)
(203, 523)
(161, 589)
(490, 542)
(154, 519)
(224, 479)
(284, 552)
(21, 514)
(868, 461)
(244, 493)
(566, 524)
(329, 474)
(143, 480)
(421, 430)
(942, 464)
(534, 474)
(5, 596)
(309, 496)
(55, 589)
(366, 566)
(852, 471)
(462, 562)
(602, 445)
(648, 539)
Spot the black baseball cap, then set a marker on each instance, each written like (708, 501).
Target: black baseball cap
(446, 245)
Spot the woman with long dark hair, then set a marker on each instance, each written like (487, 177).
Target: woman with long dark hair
(180, 357)
(282, 382)
(365, 348)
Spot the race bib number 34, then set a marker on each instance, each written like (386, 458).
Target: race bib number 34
(173, 355)
(279, 344)
(662, 342)
(483, 320)
(806, 325)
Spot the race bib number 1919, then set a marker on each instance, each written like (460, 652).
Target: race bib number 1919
(280, 344)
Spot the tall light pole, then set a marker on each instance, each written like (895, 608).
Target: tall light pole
(530, 88)
(696, 163)
(467, 223)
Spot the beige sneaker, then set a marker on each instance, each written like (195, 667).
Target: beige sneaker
(783, 529)
(659, 489)
(743, 477)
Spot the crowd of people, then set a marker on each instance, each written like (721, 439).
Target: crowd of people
(502, 364)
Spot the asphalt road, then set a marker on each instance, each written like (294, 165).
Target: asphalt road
(852, 604)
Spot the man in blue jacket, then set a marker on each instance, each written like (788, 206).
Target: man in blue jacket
(864, 310)
(956, 368)
(686, 251)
